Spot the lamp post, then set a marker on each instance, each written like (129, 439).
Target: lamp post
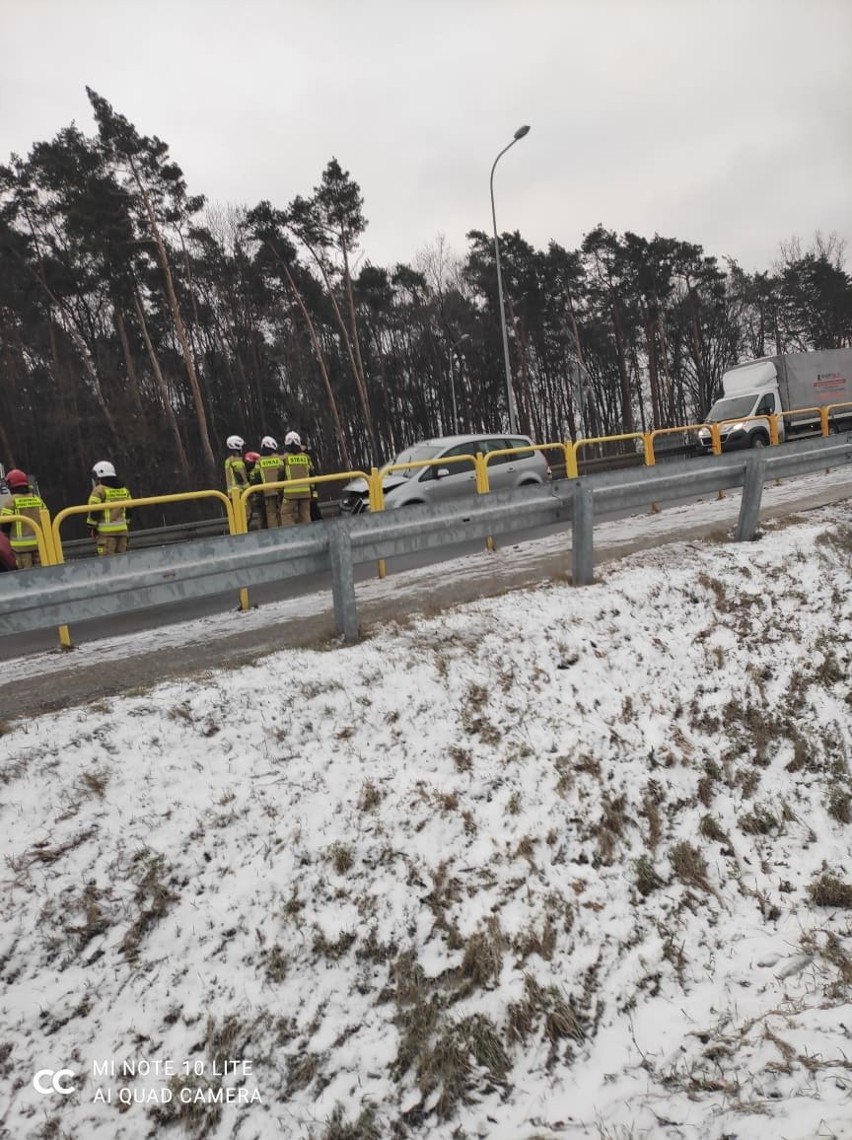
(579, 387)
(513, 411)
(453, 347)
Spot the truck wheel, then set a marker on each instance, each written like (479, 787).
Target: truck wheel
(759, 440)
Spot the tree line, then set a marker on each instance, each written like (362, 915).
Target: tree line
(140, 325)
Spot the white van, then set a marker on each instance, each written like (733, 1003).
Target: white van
(438, 484)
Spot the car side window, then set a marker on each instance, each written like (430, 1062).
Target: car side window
(460, 449)
(766, 405)
(497, 445)
(519, 454)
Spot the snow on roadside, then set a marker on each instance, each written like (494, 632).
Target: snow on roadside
(563, 863)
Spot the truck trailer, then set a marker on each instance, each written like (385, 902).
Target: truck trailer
(795, 382)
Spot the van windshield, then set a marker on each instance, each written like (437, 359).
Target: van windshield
(732, 409)
(413, 455)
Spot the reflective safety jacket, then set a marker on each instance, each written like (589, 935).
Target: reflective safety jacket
(236, 474)
(114, 519)
(22, 537)
(268, 470)
(297, 466)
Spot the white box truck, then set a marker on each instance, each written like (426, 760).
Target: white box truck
(779, 384)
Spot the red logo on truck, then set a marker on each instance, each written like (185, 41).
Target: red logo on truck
(830, 382)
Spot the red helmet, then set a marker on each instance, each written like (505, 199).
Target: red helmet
(251, 456)
(16, 478)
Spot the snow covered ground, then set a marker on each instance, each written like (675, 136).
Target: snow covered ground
(563, 863)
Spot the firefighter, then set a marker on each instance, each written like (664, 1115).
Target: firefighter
(236, 474)
(21, 501)
(108, 527)
(268, 469)
(296, 504)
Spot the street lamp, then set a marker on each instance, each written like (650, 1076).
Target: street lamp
(461, 340)
(579, 388)
(513, 411)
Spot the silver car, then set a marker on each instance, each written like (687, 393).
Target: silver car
(438, 484)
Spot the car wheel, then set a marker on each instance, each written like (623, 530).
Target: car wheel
(759, 440)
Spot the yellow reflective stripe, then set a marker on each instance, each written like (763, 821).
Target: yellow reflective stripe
(105, 521)
(292, 463)
(22, 537)
(269, 466)
(236, 474)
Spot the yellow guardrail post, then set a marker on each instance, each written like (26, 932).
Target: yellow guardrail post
(716, 446)
(483, 487)
(44, 523)
(650, 460)
(375, 490)
(773, 429)
(572, 471)
(237, 524)
(648, 448)
(480, 472)
(376, 497)
(57, 558)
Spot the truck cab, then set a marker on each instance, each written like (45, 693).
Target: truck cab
(751, 390)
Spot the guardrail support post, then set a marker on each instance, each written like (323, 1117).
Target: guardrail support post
(342, 580)
(755, 473)
(582, 536)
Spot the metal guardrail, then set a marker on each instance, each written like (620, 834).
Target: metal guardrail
(62, 594)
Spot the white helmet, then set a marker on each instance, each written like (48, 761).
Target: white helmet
(103, 470)
(292, 439)
(235, 443)
(269, 442)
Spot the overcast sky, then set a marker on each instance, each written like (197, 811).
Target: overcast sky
(725, 122)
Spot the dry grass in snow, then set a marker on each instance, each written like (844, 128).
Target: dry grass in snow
(566, 863)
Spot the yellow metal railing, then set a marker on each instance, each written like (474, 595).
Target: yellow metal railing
(49, 542)
(240, 496)
(823, 411)
(651, 436)
(41, 532)
(132, 504)
(67, 512)
(573, 469)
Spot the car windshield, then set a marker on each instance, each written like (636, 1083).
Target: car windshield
(733, 409)
(413, 455)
